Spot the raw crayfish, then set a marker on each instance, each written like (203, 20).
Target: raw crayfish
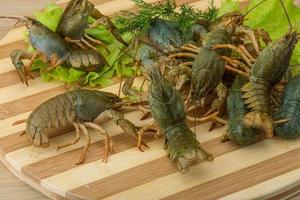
(74, 21)
(78, 108)
(236, 110)
(53, 49)
(168, 112)
(268, 70)
(289, 110)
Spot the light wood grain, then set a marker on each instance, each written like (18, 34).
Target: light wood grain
(268, 158)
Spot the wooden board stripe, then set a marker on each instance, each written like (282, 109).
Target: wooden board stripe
(291, 194)
(288, 182)
(245, 178)
(6, 125)
(30, 182)
(117, 163)
(16, 107)
(6, 65)
(209, 171)
(22, 91)
(66, 161)
(12, 142)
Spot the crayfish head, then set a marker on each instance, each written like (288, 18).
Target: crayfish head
(288, 41)
(228, 21)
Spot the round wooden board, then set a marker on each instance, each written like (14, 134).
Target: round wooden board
(268, 169)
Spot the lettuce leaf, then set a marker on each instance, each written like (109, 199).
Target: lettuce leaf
(228, 6)
(119, 63)
(50, 15)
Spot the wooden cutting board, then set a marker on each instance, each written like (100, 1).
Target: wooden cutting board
(267, 169)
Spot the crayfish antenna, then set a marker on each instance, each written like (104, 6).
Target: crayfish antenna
(251, 9)
(287, 16)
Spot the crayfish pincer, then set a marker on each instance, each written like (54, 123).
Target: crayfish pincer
(53, 50)
(78, 108)
(169, 113)
(266, 72)
(289, 110)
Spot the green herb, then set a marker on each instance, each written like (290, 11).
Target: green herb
(139, 23)
(189, 15)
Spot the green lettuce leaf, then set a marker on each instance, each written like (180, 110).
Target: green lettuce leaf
(228, 6)
(50, 15)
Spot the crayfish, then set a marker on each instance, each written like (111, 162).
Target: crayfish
(53, 50)
(268, 70)
(78, 108)
(236, 110)
(74, 21)
(289, 110)
(168, 111)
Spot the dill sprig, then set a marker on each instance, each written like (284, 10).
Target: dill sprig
(140, 23)
(189, 15)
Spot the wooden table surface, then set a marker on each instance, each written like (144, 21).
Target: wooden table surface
(11, 187)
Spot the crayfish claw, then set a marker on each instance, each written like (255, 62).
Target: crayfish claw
(23, 71)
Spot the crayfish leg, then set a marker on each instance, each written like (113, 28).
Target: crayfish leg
(237, 49)
(152, 126)
(77, 131)
(21, 121)
(87, 144)
(108, 144)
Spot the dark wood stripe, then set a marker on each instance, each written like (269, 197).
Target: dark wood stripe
(28, 103)
(11, 78)
(15, 141)
(142, 174)
(65, 161)
(5, 50)
(293, 191)
(242, 179)
(12, 142)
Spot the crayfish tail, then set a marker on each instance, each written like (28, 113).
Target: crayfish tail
(259, 120)
(184, 148)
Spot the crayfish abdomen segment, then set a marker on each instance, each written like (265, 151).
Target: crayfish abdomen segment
(236, 109)
(54, 113)
(87, 60)
(257, 98)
